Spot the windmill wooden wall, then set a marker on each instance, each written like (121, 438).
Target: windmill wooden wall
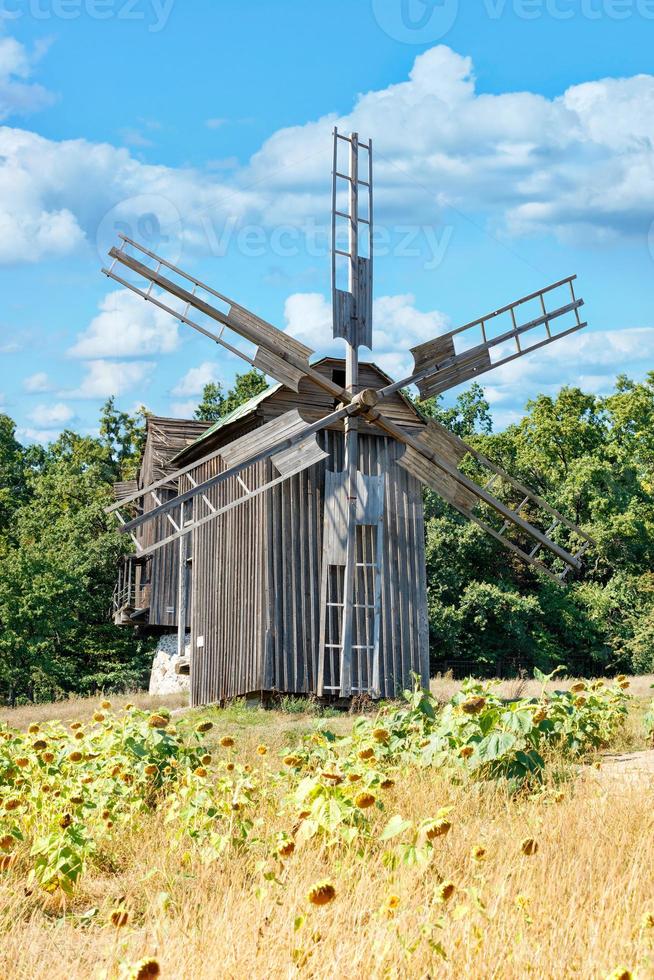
(156, 577)
(256, 570)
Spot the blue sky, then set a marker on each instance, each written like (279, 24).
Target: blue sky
(513, 147)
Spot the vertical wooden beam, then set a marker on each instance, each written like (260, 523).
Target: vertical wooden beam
(182, 555)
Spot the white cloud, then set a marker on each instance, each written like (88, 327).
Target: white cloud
(38, 382)
(398, 327)
(105, 378)
(134, 137)
(127, 326)
(55, 196)
(29, 434)
(9, 348)
(215, 123)
(51, 416)
(183, 410)
(17, 95)
(589, 359)
(195, 379)
(577, 164)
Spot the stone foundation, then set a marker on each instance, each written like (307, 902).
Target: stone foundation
(163, 678)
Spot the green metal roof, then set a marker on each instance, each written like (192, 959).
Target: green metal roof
(241, 412)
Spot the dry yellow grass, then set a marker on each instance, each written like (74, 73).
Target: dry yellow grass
(444, 686)
(576, 907)
(81, 709)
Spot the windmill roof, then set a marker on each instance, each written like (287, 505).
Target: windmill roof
(251, 405)
(242, 411)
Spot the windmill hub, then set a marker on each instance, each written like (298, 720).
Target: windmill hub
(366, 399)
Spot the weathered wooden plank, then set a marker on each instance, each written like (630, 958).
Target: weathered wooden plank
(276, 367)
(465, 367)
(259, 439)
(299, 457)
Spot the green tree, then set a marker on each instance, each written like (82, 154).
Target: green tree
(591, 457)
(124, 437)
(210, 408)
(56, 579)
(13, 462)
(470, 413)
(216, 405)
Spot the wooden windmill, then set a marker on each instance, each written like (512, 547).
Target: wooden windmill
(359, 624)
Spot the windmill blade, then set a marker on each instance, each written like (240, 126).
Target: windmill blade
(277, 354)
(454, 357)
(288, 463)
(434, 458)
(288, 441)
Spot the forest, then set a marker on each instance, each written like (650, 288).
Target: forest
(591, 456)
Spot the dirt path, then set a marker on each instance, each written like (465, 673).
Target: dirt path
(632, 767)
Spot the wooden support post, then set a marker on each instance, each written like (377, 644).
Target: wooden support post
(181, 585)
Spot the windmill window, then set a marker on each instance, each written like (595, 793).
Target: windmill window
(338, 377)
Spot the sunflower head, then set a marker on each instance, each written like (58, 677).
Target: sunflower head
(473, 706)
(437, 828)
(364, 800)
(227, 742)
(366, 754)
(204, 727)
(119, 917)
(381, 735)
(322, 893)
(262, 749)
(157, 721)
(445, 891)
(286, 847)
(145, 969)
(478, 852)
(529, 846)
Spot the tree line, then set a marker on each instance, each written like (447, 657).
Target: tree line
(590, 456)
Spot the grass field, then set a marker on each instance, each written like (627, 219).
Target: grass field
(478, 900)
